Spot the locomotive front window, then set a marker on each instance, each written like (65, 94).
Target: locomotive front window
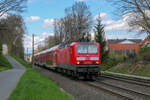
(82, 49)
(87, 49)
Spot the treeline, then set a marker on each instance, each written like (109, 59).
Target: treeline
(12, 27)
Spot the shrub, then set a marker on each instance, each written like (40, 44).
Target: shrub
(112, 60)
(145, 53)
(143, 50)
(146, 56)
(131, 56)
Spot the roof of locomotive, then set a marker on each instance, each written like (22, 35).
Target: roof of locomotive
(63, 45)
(74, 43)
(47, 50)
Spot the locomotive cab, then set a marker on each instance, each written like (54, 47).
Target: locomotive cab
(87, 59)
(87, 54)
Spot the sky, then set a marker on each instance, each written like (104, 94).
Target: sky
(40, 15)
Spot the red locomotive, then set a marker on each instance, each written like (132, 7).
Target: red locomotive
(77, 59)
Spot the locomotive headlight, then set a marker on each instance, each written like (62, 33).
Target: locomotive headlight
(97, 62)
(80, 58)
(78, 62)
(94, 58)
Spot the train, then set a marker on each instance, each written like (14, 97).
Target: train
(78, 59)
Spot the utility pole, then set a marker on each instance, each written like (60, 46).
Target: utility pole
(27, 56)
(32, 49)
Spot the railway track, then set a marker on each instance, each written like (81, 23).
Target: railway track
(127, 80)
(107, 90)
(122, 92)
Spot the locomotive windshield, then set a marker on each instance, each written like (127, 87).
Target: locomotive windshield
(90, 49)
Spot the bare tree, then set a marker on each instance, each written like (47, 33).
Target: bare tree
(59, 31)
(75, 25)
(80, 20)
(50, 41)
(12, 5)
(139, 12)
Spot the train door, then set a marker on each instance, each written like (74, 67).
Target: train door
(54, 62)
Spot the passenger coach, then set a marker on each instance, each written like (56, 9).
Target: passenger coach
(77, 59)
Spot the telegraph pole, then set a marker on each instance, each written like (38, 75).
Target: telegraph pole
(32, 49)
(27, 56)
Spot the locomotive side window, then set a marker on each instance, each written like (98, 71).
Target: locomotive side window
(87, 49)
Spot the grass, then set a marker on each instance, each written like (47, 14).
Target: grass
(34, 86)
(139, 68)
(4, 63)
(112, 60)
(135, 64)
(144, 71)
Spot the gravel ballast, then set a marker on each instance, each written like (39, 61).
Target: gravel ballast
(77, 88)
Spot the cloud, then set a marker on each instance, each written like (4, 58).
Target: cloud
(118, 25)
(101, 15)
(114, 25)
(38, 39)
(125, 36)
(48, 23)
(32, 18)
(119, 28)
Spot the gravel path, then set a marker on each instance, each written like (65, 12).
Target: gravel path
(10, 78)
(77, 88)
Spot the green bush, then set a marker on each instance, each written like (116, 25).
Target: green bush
(113, 60)
(145, 53)
(146, 56)
(131, 56)
(143, 50)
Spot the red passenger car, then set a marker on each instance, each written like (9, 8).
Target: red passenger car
(78, 59)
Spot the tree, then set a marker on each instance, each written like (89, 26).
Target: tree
(138, 12)
(12, 5)
(13, 35)
(76, 24)
(8, 6)
(50, 42)
(100, 38)
(59, 32)
(80, 20)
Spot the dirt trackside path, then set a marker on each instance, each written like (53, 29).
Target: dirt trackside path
(10, 78)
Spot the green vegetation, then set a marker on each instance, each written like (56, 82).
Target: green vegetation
(34, 86)
(4, 64)
(112, 60)
(100, 38)
(136, 65)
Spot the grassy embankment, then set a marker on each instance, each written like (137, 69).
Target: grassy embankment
(4, 64)
(34, 86)
(138, 65)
